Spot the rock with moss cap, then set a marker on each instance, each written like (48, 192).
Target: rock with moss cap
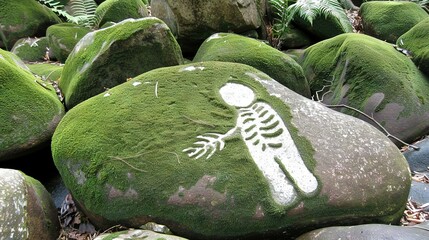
(376, 79)
(229, 47)
(30, 109)
(108, 57)
(196, 147)
(31, 49)
(23, 18)
(63, 37)
(194, 21)
(387, 20)
(27, 210)
(416, 43)
(118, 10)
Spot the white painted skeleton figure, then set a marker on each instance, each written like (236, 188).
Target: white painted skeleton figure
(268, 141)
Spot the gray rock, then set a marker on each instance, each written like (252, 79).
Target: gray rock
(368, 232)
(418, 159)
(26, 210)
(221, 150)
(419, 192)
(195, 21)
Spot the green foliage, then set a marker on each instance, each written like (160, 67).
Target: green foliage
(284, 13)
(58, 8)
(82, 11)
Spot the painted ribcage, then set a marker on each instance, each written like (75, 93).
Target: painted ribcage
(261, 126)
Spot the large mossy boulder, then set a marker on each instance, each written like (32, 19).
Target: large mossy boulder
(194, 21)
(118, 10)
(371, 76)
(31, 49)
(229, 47)
(217, 150)
(63, 37)
(387, 20)
(416, 40)
(30, 109)
(108, 57)
(23, 18)
(27, 210)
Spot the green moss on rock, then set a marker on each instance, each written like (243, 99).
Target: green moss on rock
(50, 71)
(387, 20)
(118, 10)
(108, 57)
(30, 49)
(416, 41)
(63, 37)
(230, 47)
(23, 18)
(30, 109)
(372, 76)
(121, 154)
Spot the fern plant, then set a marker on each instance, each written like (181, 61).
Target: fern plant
(308, 10)
(58, 8)
(82, 11)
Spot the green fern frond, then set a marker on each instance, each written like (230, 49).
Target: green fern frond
(58, 8)
(310, 9)
(84, 11)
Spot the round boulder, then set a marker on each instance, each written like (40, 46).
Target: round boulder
(376, 79)
(387, 20)
(221, 150)
(415, 42)
(23, 18)
(108, 57)
(229, 47)
(62, 38)
(27, 210)
(30, 109)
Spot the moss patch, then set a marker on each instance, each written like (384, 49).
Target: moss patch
(416, 41)
(31, 49)
(30, 111)
(108, 57)
(230, 47)
(63, 37)
(118, 10)
(356, 67)
(387, 20)
(23, 18)
(48, 71)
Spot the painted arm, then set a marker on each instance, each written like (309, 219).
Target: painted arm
(209, 142)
